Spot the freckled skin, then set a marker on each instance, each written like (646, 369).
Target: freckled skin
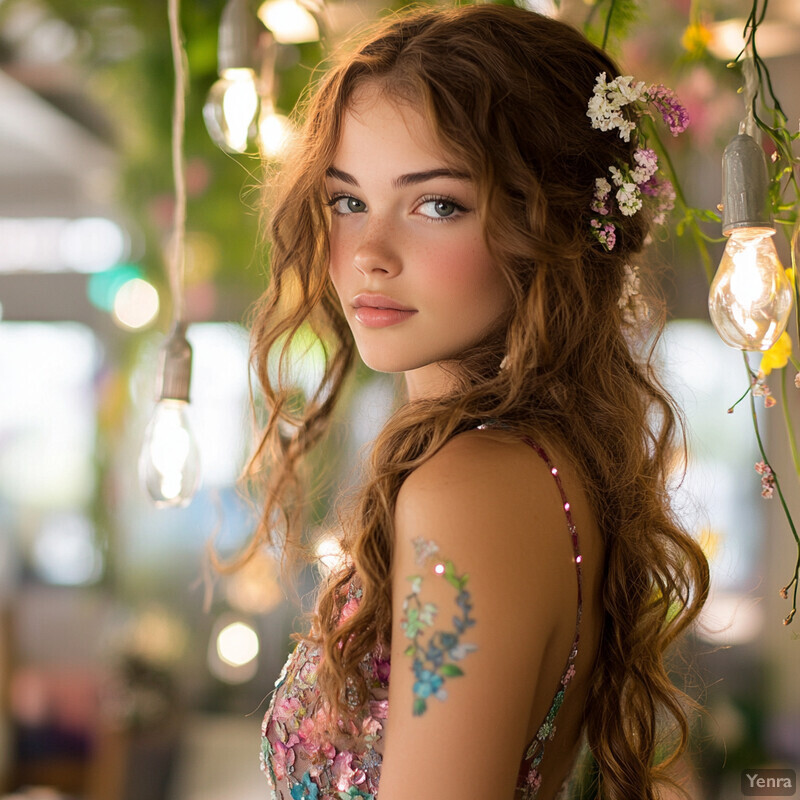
(400, 243)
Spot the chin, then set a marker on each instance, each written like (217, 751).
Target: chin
(383, 361)
(383, 364)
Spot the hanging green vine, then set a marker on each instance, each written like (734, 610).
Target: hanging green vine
(784, 195)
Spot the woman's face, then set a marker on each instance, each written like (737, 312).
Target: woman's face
(404, 225)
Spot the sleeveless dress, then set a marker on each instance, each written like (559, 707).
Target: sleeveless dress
(299, 766)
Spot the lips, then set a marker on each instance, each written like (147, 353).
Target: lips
(379, 301)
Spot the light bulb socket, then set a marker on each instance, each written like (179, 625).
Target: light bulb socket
(238, 37)
(745, 186)
(176, 365)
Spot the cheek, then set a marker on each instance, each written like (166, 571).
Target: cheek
(339, 247)
(466, 272)
(336, 260)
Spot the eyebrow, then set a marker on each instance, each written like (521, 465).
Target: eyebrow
(402, 180)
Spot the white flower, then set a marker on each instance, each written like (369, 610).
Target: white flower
(630, 285)
(616, 176)
(608, 98)
(627, 91)
(629, 199)
(601, 192)
(602, 188)
(648, 164)
(625, 128)
(629, 300)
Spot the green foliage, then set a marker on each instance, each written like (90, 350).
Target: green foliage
(609, 22)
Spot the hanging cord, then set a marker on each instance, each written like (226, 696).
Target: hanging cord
(177, 259)
(749, 90)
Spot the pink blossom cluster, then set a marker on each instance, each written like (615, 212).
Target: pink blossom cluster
(606, 234)
(609, 98)
(760, 389)
(631, 184)
(767, 479)
(666, 103)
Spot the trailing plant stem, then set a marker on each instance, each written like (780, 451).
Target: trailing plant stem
(794, 581)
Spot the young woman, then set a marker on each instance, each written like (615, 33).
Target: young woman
(511, 557)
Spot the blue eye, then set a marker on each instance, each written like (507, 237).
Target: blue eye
(441, 208)
(352, 205)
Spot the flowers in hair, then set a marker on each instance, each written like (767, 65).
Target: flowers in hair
(626, 188)
(630, 294)
(608, 100)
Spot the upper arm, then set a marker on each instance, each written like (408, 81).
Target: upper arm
(474, 577)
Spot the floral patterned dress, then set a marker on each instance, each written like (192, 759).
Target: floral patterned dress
(299, 767)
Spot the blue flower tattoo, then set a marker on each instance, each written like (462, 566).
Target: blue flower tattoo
(430, 660)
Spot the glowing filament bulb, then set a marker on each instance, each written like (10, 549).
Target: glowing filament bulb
(230, 110)
(169, 465)
(750, 298)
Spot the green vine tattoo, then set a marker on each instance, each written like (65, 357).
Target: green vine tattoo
(430, 666)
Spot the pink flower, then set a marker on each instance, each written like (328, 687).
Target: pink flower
(569, 675)
(381, 669)
(760, 389)
(797, 380)
(605, 234)
(349, 608)
(371, 726)
(379, 708)
(767, 479)
(674, 114)
(328, 750)
(284, 756)
(285, 709)
(308, 672)
(533, 779)
(308, 736)
(344, 776)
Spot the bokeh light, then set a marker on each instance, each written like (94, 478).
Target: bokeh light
(136, 304)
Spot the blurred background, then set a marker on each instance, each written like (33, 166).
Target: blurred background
(127, 672)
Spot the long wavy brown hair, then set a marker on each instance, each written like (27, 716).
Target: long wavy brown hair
(506, 92)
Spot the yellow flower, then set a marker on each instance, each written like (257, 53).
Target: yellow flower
(696, 38)
(777, 356)
(790, 276)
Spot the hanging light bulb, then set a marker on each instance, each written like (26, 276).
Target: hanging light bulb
(230, 110)
(289, 21)
(169, 463)
(275, 131)
(750, 298)
(232, 105)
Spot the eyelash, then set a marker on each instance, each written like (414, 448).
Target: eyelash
(437, 198)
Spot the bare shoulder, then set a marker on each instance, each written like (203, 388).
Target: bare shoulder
(485, 457)
(481, 556)
(489, 498)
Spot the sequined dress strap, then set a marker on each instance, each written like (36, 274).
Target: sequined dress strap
(529, 777)
(535, 751)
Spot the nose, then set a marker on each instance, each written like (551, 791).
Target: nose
(378, 249)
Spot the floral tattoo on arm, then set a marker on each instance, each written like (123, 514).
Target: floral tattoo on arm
(430, 664)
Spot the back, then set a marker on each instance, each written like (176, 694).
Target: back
(298, 765)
